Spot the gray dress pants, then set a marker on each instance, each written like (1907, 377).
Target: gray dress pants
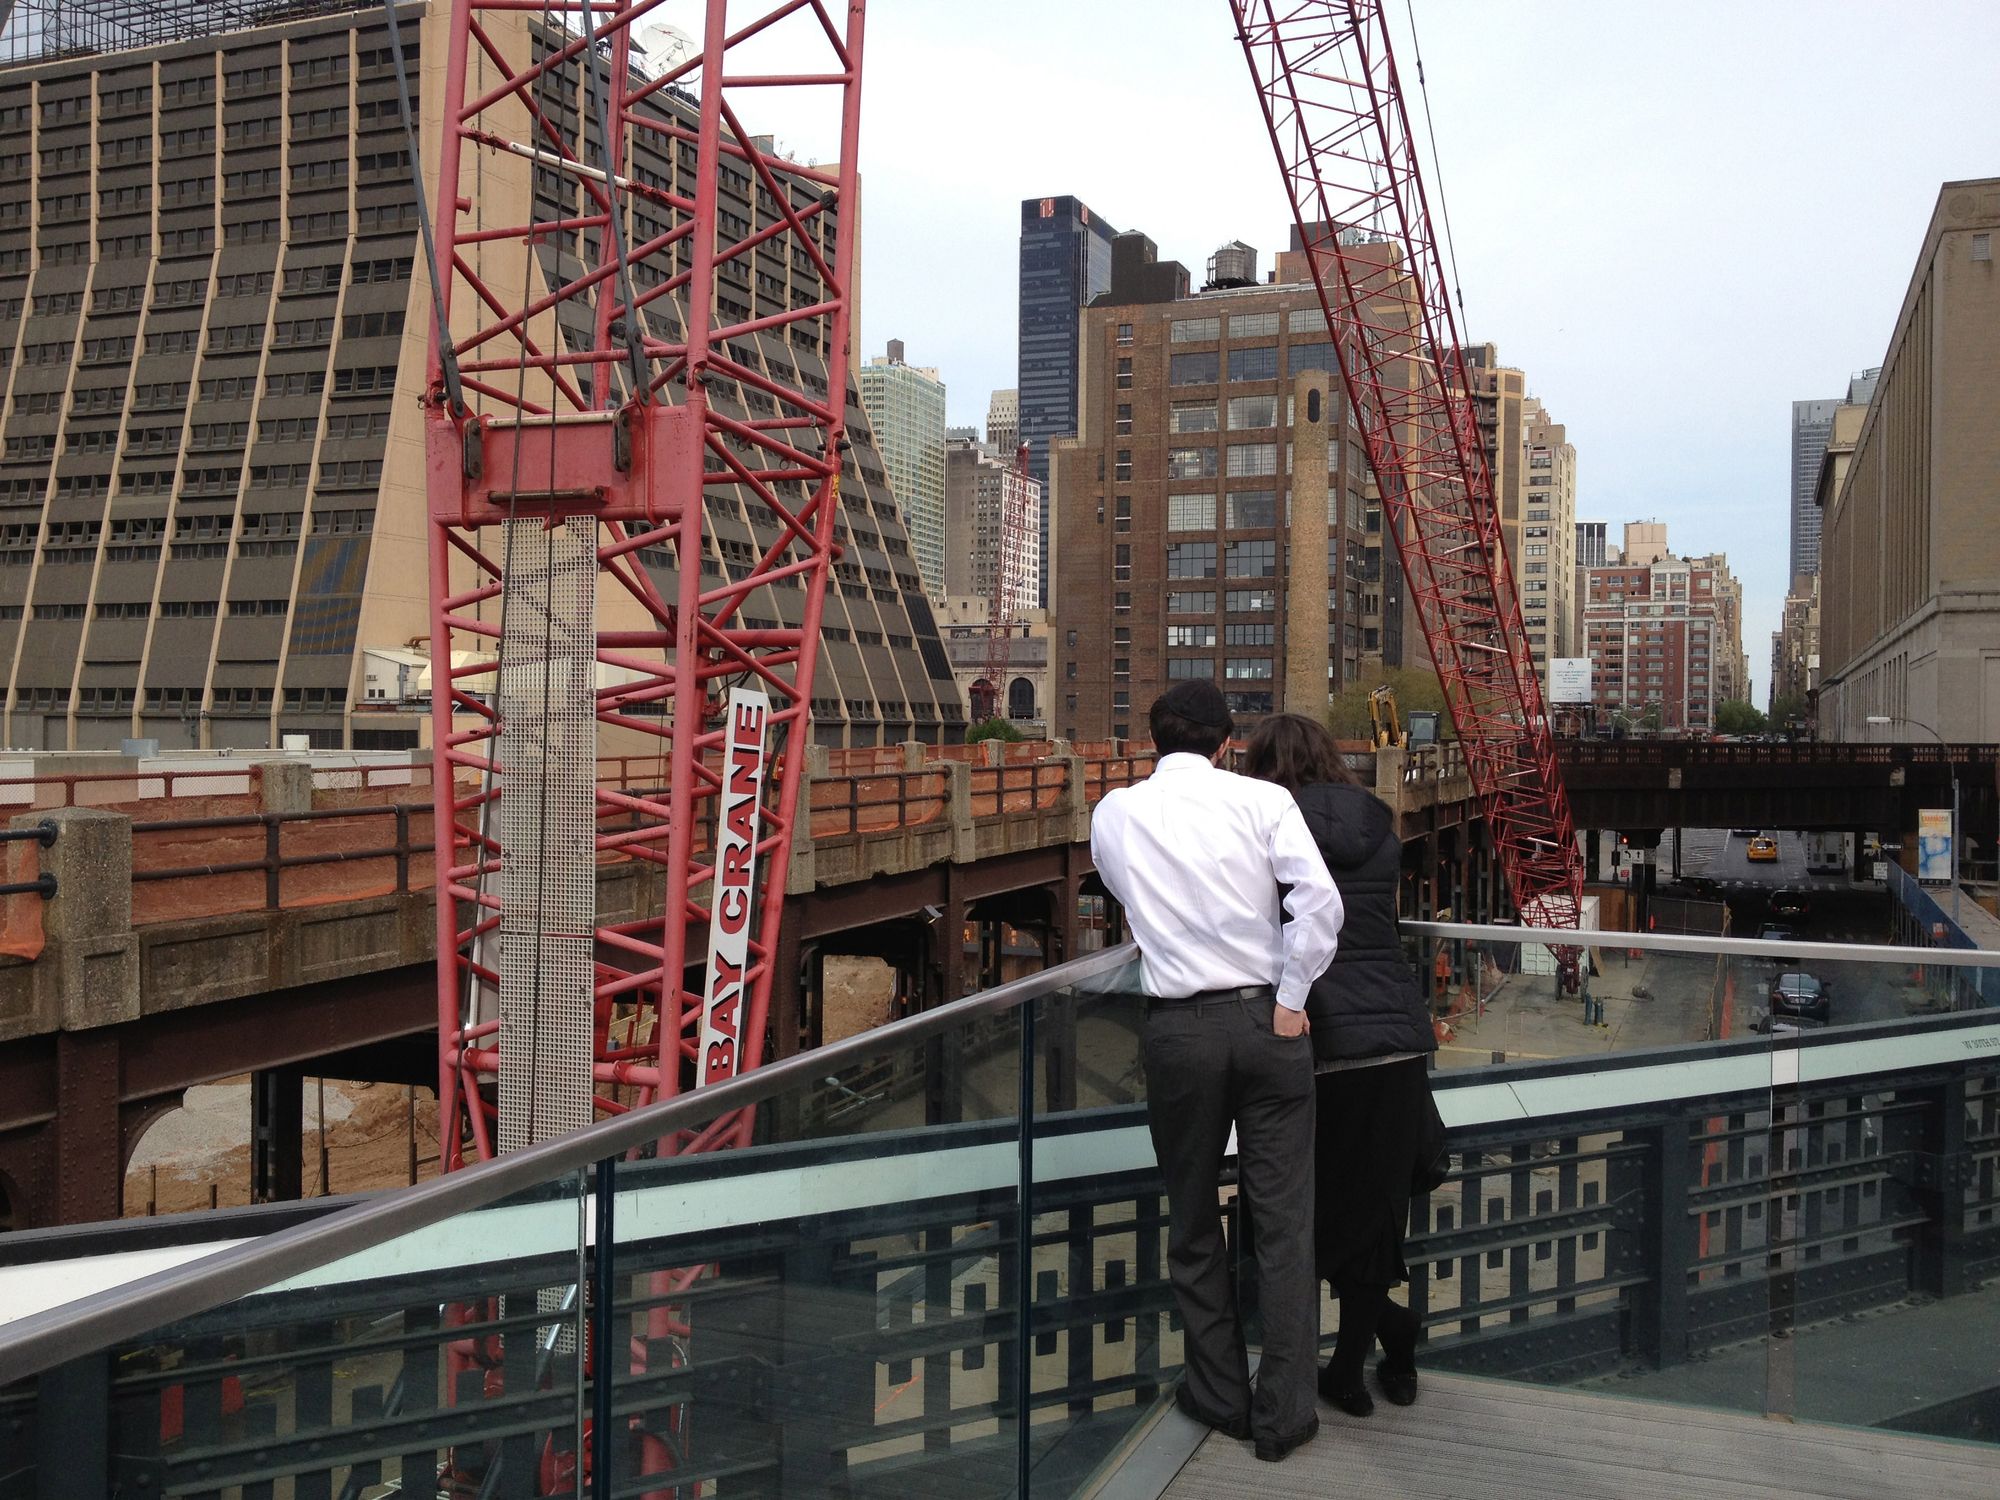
(1211, 1064)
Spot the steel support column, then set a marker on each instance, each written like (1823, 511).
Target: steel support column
(277, 1103)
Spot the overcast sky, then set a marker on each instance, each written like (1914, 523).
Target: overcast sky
(1677, 219)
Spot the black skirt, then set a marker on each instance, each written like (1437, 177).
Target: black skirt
(1369, 1123)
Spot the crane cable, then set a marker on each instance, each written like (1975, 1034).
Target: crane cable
(1437, 170)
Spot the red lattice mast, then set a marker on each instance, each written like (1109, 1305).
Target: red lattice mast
(596, 393)
(1326, 78)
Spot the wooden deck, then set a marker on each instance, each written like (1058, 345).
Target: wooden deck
(1471, 1439)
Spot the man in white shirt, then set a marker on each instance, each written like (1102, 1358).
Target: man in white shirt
(1196, 856)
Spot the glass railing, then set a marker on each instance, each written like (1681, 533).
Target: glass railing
(932, 1259)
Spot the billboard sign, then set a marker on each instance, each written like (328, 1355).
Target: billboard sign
(1934, 845)
(733, 893)
(1569, 679)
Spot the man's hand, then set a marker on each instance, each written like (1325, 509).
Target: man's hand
(1289, 1022)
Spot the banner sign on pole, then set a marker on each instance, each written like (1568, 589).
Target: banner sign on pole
(1934, 845)
(733, 891)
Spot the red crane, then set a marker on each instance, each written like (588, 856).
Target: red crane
(628, 377)
(1015, 521)
(1338, 117)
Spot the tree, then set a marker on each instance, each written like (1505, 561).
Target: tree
(993, 729)
(1788, 710)
(1415, 689)
(1734, 716)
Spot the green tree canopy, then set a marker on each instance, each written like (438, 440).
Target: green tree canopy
(1734, 716)
(1415, 688)
(992, 729)
(1789, 709)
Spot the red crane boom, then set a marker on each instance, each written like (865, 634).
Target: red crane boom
(1338, 117)
(627, 381)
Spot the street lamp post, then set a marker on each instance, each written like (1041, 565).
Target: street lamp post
(1956, 835)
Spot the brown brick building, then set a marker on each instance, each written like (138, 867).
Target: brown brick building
(1653, 630)
(1172, 558)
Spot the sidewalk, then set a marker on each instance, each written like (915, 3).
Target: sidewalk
(1654, 1001)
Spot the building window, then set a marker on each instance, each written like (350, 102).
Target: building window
(1258, 363)
(1250, 635)
(1124, 421)
(1124, 333)
(1190, 635)
(1122, 469)
(1252, 411)
(1190, 559)
(1191, 512)
(1312, 356)
(1125, 374)
(1250, 601)
(1252, 460)
(1195, 330)
(1072, 640)
(1247, 669)
(1198, 602)
(1121, 519)
(1253, 510)
(1193, 369)
(1190, 666)
(1190, 463)
(1251, 560)
(1191, 416)
(1121, 562)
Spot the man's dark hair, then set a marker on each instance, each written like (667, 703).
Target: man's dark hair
(1295, 752)
(1186, 720)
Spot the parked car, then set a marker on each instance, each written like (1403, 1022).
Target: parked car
(1789, 903)
(1798, 994)
(1774, 932)
(1762, 850)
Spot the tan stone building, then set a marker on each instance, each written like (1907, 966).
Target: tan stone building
(1909, 545)
(1795, 645)
(1545, 554)
(1732, 663)
(1174, 557)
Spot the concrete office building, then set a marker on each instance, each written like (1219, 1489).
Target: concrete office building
(1178, 557)
(1795, 647)
(905, 405)
(213, 314)
(1812, 431)
(1592, 551)
(1812, 421)
(1731, 663)
(1910, 552)
(1545, 556)
(1065, 262)
(1003, 421)
(977, 475)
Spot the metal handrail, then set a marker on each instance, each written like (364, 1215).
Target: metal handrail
(1726, 947)
(63, 1333)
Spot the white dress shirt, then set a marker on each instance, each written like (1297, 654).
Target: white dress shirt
(1195, 855)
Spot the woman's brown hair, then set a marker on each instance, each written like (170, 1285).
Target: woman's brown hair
(1295, 752)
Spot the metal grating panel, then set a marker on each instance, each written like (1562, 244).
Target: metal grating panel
(547, 823)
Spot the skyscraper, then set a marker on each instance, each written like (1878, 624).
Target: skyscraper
(905, 404)
(1003, 422)
(1812, 424)
(1065, 261)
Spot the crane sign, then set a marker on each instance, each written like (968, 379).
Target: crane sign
(636, 422)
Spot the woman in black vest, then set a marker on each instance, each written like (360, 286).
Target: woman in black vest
(1371, 1040)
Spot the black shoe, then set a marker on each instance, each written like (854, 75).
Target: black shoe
(1399, 1387)
(1229, 1427)
(1275, 1450)
(1354, 1400)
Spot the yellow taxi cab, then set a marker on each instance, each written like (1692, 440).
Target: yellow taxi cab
(1762, 850)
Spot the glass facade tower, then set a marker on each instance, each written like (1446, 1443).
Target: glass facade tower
(1065, 261)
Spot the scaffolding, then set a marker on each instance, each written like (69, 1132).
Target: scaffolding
(34, 31)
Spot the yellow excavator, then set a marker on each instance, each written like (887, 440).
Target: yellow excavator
(1386, 722)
